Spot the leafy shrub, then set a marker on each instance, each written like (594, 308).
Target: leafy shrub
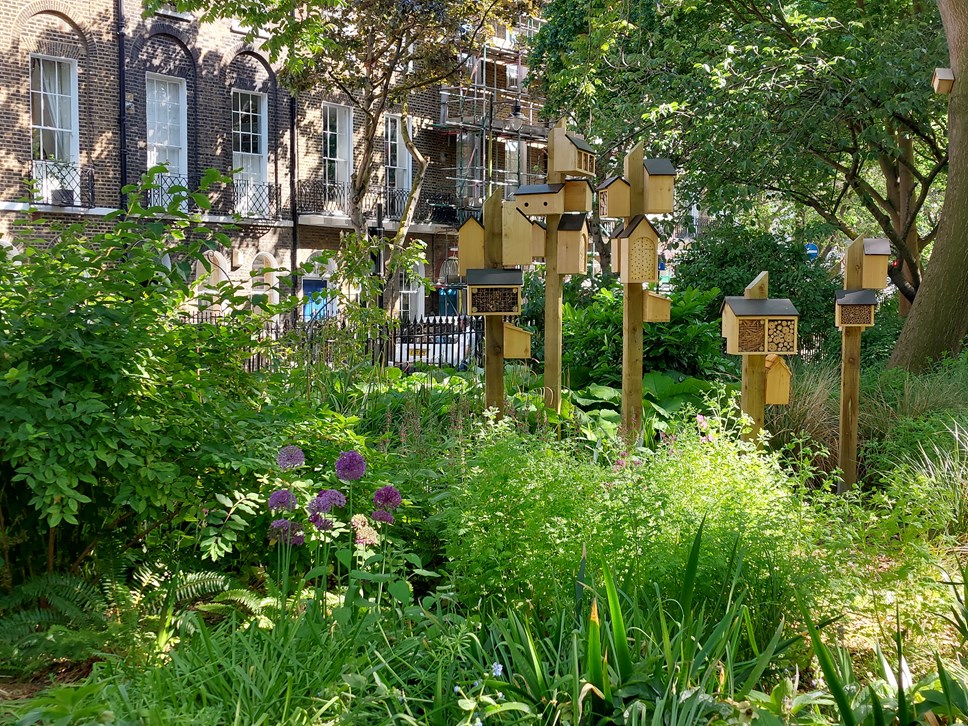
(729, 256)
(687, 344)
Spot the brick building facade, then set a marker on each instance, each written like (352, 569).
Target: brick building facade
(92, 98)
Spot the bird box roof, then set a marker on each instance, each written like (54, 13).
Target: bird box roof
(659, 167)
(538, 189)
(572, 222)
(611, 180)
(744, 307)
(856, 297)
(877, 246)
(580, 143)
(630, 228)
(502, 278)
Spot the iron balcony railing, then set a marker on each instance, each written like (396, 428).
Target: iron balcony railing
(61, 183)
(316, 196)
(167, 188)
(255, 200)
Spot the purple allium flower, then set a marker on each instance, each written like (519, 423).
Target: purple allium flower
(324, 502)
(350, 466)
(290, 457)
(366, 535)
(387, 498)
(497, 670)
(282, 499)
(320, 522)
(285, 530)
(381, 515)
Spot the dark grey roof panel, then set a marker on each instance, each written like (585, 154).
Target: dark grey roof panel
(633, 223)
(856, 297)
(611, 180)
(659, 167)
(539, 189)
(744, 307)
(495, 277)
(580, 143)
(572, 222)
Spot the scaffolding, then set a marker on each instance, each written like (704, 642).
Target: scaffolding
(500, 139)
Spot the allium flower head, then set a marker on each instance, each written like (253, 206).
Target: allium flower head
(381, 515)
(324, 502)
(367, 536)
(290, 457)
(387, 498)
(287, 531)
(320, 522)
(358, 521)
(350, 466)
(282, 499)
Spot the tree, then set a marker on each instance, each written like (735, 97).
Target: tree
(938, 322)
(824, 104)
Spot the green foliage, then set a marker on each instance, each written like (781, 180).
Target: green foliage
(728, 257)
(592, 339)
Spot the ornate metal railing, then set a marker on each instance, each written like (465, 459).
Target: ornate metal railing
(320, 197)
(61, 184)
(255, 200)
(167, 188)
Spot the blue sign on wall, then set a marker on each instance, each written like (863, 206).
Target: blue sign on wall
(812, 250)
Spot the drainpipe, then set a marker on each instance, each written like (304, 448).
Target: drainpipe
(122, 111)
(293, 206)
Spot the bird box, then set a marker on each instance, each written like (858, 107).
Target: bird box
(656, 308)
(660, 178)
(877, 252)
(538, 236)
(470, 246)
(855, 308)
(616, 243)
(943, 81)
(515, 236)
(494, 292)
(639, 251)
(578, 195)
(573, 244)
(757, 326)
(778, 377)
(541, 199)
(517, 342)
(570, 154)
(614, 198)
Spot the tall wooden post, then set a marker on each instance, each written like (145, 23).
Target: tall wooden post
(850, 371)
(633, 307)
(552, 351)
(493, 324)
(753, 392)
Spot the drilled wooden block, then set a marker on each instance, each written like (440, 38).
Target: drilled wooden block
(495, 300)
(781, 336)
(603, 203)
(751, 336)
(856, 314)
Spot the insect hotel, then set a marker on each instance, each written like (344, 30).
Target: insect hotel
(759, 326)
(494, 292)
(573, 156)
(638, 251)
(614, 198)
(660, 178)
(855, 308)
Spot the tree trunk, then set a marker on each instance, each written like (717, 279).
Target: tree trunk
(938, 321)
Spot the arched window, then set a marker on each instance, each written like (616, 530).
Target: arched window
(208, 293)
(9, 251)
(319, 297)
(265, 282)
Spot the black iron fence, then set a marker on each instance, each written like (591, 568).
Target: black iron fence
(431, 342)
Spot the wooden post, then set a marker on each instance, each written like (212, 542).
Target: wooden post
(850, 371)
(552, 351)
(493, 324)
(753, 392)
(633, 308)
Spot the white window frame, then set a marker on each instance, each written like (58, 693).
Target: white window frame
(179, 176)
(44, 171)
(269, 287)
(412, 294)
(344, 143)
(247, 196)
(402, 153)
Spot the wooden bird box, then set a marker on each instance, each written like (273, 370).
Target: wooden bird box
(877, 252)
(778, 377)
(573, 244)
(517, 342)
(639, 251)
(494, 292)
(660, 178)
(541, 199)
(855, 308)
(656, 308)
(578, 195)
(571, 154)
(616, 243)
(515, 236)
(470, 246)
(538, 236)
(753, 326)
(943, 81)
(614, 198)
